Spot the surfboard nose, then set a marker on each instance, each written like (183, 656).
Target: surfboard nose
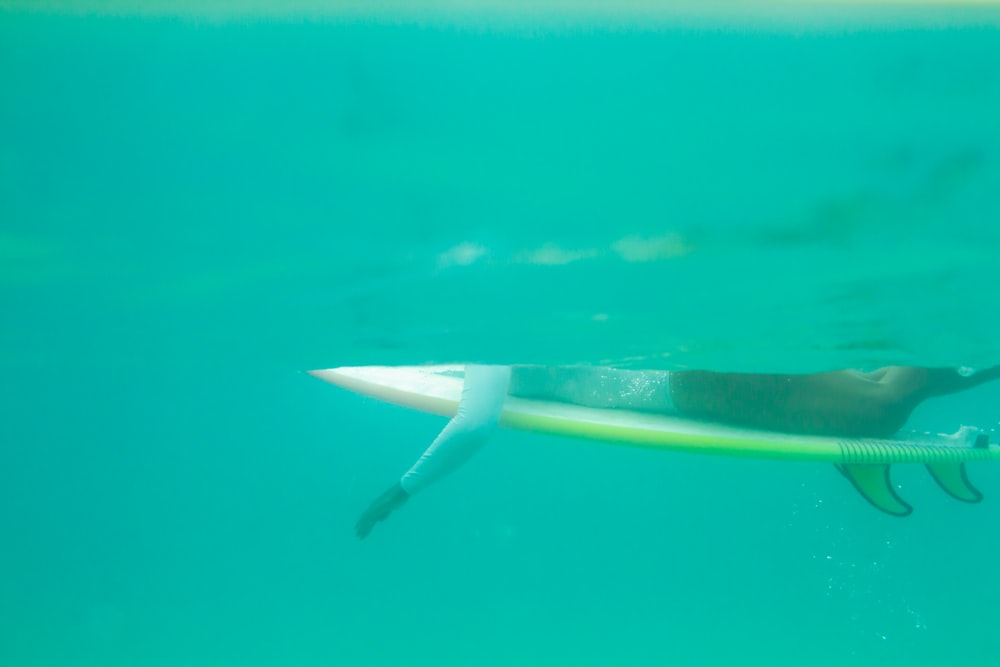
(324, 374)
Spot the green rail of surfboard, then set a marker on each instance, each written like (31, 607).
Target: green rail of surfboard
(847, 451)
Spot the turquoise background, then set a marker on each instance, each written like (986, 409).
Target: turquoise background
(194, 212)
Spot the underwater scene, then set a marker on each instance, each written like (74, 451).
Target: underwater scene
(763, 230)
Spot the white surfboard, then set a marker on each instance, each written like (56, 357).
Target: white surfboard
(865, 462)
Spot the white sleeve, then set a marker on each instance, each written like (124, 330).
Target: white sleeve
(479, 409)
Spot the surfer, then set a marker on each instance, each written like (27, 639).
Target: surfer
(844, 403)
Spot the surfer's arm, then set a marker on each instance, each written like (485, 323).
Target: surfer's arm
(483, 394)
(479, 409)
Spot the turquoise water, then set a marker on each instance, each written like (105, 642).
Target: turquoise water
(193, 211)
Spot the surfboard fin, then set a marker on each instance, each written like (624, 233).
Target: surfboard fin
(872, 481)
(952, 478)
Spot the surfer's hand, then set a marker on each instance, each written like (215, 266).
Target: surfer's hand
(380, 509)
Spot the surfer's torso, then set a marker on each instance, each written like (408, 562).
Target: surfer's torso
(841, 403)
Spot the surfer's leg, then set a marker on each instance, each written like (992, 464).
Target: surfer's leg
(881, 402)
(595, 387)
(840, 403)
(942, 381)
(911, 386)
